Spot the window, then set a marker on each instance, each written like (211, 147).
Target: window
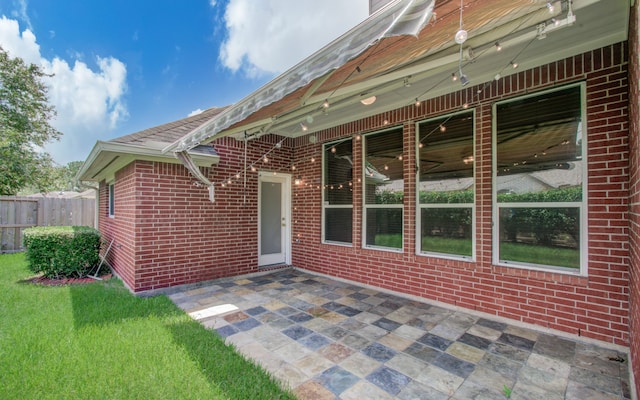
(112, 201)
(337, 196)
(539, 181)
(446, 186)
(383, 190)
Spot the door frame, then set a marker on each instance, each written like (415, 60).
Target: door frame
(285, 181)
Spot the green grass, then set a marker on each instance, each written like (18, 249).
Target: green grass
(98, 341)
(543, 255)
(388, 240)
(436, 244)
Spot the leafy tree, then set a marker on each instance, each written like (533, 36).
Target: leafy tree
(24, 127)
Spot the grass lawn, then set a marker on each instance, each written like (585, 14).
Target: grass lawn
(447, 245)
(98, 341)
(526, 253)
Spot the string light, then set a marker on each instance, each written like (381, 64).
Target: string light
(418, 102)
(293, 167)
(514, 64)
(550, 7)
(454, 77)
(265, 159)
(303, 127)
(333, 149)
(385, 122)
(443, 128)
(313, 159)
(498, 46)
(325, 104)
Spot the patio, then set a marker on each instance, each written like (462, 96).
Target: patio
(329, 339)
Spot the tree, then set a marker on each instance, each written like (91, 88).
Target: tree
(24, 127)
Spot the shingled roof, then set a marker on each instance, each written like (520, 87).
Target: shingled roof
(170, 132)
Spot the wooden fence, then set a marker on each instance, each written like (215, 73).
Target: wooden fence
(19, 213)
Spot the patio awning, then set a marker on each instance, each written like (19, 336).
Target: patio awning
(400, 17)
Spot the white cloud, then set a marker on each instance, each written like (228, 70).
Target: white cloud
(270, 36)
(89, 102)
(195, 112)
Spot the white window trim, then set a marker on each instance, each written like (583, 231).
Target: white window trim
(325, 206)
(420, 206)
(583, 206)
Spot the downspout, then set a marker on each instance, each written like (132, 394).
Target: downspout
(188, 162)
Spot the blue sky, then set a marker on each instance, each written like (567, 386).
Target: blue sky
(121, 66)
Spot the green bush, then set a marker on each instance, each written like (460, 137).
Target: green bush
(62, 251)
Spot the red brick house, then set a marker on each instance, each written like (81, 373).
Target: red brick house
(500, 175)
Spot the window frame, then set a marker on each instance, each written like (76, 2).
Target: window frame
(111, 199)
(582, 206)
(420, 206)
(366, 207)
(325, 147)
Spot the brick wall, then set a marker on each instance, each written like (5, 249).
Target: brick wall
(166, 227)
(595, 306)
(167, 231)
(634, 198)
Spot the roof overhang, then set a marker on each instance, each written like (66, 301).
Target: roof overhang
(106, 158)
(400, 69)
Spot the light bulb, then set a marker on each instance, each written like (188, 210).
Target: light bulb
(333, 149)
(461, 36)
(514, 64)
(325, 104)
(454, 77)
(303, 127)
(443, 128)
(498, 46)
(418, 103)
(550, 7)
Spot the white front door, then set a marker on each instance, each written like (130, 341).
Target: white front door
(274, 226)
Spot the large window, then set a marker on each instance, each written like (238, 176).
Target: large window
(539, 181)
(112, 200)
(337, 196)
(445, 186)
(383, 190)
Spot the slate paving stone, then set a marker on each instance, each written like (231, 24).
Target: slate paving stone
(359, 296)
(388, 379)
(387, 324)
(498, 326)
(475, 341)
(314, 341)
(437, 342)
(454, 365)
(296, 332)
(517, 341)
(335, 340)
(255, 311)
(337, 380)
(422, 352)
(247, 324)
(227, 331)
(379, 352)
(300, 317)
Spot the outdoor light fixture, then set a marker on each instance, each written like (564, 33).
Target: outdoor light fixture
(461, 36)
(454, 77)
(550, 7)
(514, 64)
(498, 46)
(325, 104)
(464, 80)
(368, 101)
(303, 127)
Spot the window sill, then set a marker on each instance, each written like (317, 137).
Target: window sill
(555, 276)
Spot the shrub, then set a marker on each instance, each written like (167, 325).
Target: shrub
(62, 251)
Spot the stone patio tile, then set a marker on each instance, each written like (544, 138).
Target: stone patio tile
(596, 380)
(379, 352)
(484, 332)
(335, 332)
(598, 360)
(240, 339)
(371, 332)
(526, 391)
(495, 325)
(548, 381)
(293, 351)
(422, 352)
(579, 391)
(312, 390)
(247, 324)
(388, 379)
(333, 317)
(274, 305)
(336, 352)
(454, 365)
(440, 380)
(509, 352)
(407, 365)
(235, 317)
(355, 341)
(351, 324)
(517, 341)
(448, 331)
(417, 391)
(314, 341)
(386, 324)
(522, 332)
(337, 379)
(297, 331)
(466, 352)
(227, 330)
(472, 390)
(437, 342)
(312, 299)
(491, 379)
(365, 390)
(317, 324)
(359, 364)
(501, 365)
(475, 341)
(549, 365)
(409, 332)
(313, 364)
(395, 342)
(366, 317)
(290, 376)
